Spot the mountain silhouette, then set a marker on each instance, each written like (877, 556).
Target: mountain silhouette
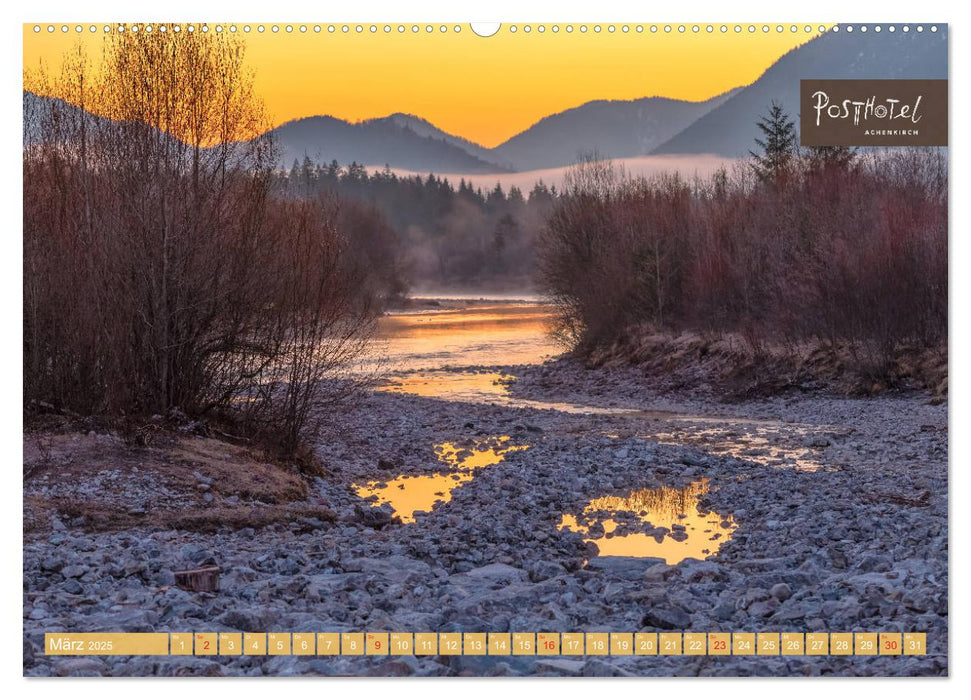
(427, 129)
(399, 141)
(609, 128)
(730, 129)
(724, 125)
(70, 117)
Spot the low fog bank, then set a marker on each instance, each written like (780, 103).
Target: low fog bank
(687, 166)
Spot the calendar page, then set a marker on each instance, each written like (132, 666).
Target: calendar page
(516, 349)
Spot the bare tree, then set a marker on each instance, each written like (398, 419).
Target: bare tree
(851, 254)
(160, 270)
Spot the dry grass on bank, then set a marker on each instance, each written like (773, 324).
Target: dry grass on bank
(100, 481)
(729, 365)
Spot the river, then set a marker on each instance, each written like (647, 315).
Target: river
(462, 350)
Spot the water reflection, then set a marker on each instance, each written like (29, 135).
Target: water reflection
(759, 444)
(452, 386)
(680, 529)
(409, 495)
(486, 334)
(490, 388)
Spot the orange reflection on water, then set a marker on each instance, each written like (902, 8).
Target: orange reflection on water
(489, 335)
(490, 388)
(471, 319)
(408, 495)
(454, 386)
(661, 507)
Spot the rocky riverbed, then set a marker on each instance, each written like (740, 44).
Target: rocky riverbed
(817, 513)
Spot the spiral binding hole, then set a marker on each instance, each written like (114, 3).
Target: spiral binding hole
(512, 28)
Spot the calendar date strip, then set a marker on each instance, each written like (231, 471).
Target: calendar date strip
(485, 643)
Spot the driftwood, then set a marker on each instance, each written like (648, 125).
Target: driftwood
(205, 579)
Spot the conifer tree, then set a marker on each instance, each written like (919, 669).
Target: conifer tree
(778, 144)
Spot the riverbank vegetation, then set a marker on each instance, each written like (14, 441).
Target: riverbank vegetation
(827, 248)
(164, 270)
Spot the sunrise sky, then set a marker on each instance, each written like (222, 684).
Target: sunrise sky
(484, 89)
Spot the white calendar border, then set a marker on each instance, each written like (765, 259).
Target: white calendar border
(441, 10)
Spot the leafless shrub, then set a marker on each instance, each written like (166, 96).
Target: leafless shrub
(850, 251)
(159, 269)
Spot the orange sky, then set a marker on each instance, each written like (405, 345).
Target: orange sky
(485, 89)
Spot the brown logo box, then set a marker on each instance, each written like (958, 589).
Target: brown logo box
(873, 113)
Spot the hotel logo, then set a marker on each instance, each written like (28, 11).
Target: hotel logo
(873, 113)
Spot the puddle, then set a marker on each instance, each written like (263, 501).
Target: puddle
(759, 445)
(691, 533)
(409, 494)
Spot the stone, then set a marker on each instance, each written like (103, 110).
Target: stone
(496, 573)
(72, 586)
(80, 666)
(666, 619)
(376, 517)
(543, 570)
(246, 619)
(74, 571)
(781, 592)
(629, 568)
(558, 667)
(52, 564)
